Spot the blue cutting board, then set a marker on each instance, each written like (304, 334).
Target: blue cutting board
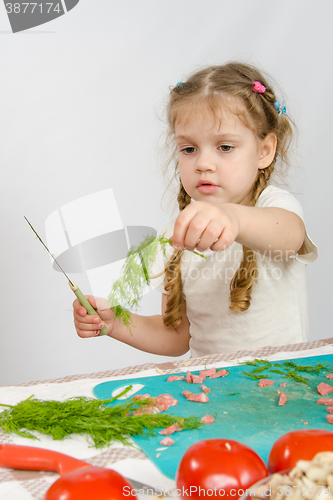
(243, 411)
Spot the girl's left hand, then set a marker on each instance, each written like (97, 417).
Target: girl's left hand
(202, 225)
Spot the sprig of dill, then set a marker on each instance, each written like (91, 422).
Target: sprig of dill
(101, 424)
(288, 368)
(127, 291)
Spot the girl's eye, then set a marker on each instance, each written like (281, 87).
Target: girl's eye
(225, 148)
(188, 150)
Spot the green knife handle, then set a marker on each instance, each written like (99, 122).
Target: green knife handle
(86, 304)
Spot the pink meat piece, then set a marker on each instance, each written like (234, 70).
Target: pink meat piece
(197, 379)
(144, 410)
(284, 384)
(282, 399)
(264, 382)
(209, 372)
(171, 429)
(205, 389)
(173, 378)
(208, 419)
(164, 401)
(199, 398)
(186, 393)
(220, 373)
(324, 401)
(141, 396)
(329, 419)
(167, 442)
(329, 375)
(329, 409)
(324, 389)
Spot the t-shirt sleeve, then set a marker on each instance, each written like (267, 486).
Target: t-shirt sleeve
(163, 255)
(276, 197)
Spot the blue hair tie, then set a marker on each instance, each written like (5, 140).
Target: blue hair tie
(280, 108)
(179, 83)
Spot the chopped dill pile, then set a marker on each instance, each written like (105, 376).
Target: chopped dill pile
(287, 368)
(127, 291)
(101, 424)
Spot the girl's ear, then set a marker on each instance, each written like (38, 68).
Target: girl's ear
(267, 150)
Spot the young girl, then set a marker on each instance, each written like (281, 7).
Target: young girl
(229, 131)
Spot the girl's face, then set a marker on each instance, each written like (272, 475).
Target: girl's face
(219, 160)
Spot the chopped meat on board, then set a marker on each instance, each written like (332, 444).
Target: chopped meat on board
(208, 419)
(329, 375)
(167, 442)
(283, 384)
(173, 378)
(264, 382)
(171, 429)
(146, 410)
(164, 401)
(186, 393)
(220, 373)
(141, 396)
(282, 399)
(159, 403)
(324, 401)
(324, 389)
(199, 398)
(329, 419)
(205, 389)
(197, 379)
(209, 372)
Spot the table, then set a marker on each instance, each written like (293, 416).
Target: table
(130, 461)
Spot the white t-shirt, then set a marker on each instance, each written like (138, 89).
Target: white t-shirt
(278, 312)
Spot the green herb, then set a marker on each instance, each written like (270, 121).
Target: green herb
(290, 363)
(127, 291)
(289, 369)
(90, 417)
(233, 393)
(255, 362)
(298, 378)
(255, 376)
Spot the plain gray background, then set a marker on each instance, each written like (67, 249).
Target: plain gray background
(81, 101)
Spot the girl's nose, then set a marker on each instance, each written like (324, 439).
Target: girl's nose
(205, 163)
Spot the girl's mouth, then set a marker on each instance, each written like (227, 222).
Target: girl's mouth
(207, 187)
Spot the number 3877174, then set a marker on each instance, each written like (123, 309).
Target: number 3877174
(31, 7)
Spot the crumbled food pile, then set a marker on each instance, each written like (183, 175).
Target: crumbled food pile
(310, 479)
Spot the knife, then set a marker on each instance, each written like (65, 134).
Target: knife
(82, 299)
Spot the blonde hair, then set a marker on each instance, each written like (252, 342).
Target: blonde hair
(258, 112)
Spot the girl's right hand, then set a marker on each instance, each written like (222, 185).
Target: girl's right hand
(89, 325)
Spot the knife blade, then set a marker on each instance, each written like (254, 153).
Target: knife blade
(82, 299)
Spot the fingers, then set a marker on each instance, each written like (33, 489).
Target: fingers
(181, 230)
(211, 232)
(201, 226)
(226, 239)
(87, 325)
(78, 307)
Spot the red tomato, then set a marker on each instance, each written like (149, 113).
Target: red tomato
(221, 467)
(90, 483)
(298, 445)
